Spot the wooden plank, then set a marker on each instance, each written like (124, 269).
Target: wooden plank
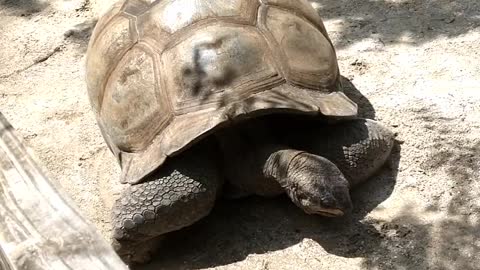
(39, 227)
(4, 261)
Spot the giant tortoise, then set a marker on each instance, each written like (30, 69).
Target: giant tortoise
(236, 97)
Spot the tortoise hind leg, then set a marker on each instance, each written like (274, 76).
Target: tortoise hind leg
(177, 195)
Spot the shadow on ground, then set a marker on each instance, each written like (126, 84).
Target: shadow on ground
(365, 108)
(444, 235)
(23, 8)
(81, 33)
(385, 22)
(411, 22)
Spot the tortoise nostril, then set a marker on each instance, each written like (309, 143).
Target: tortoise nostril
(328, 201)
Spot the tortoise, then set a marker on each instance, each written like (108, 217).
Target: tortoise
(198, 99)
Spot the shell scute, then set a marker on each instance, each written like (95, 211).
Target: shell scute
(310, 57)
(217, 65)
(131, 108)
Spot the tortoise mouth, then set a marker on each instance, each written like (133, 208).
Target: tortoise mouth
(329, 212)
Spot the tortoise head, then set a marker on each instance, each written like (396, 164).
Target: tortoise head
(317, 186)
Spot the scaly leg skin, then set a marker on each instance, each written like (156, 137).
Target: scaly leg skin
(358, 147)
(177, 195)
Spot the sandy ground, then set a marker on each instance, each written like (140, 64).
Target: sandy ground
(416, 65)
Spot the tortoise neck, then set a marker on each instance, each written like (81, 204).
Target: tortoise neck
(277, 163)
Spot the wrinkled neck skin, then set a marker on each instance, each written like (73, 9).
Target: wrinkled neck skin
(244, 155)
(277, 161)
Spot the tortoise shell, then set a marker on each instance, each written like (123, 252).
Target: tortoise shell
(163, 74)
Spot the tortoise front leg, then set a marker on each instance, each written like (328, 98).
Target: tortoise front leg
(177, 195)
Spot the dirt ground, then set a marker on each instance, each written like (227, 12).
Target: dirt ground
(417, 66)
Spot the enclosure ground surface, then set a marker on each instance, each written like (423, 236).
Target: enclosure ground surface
(416, 65)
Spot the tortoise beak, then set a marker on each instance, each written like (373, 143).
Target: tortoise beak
(327, 212)
(330, 212)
